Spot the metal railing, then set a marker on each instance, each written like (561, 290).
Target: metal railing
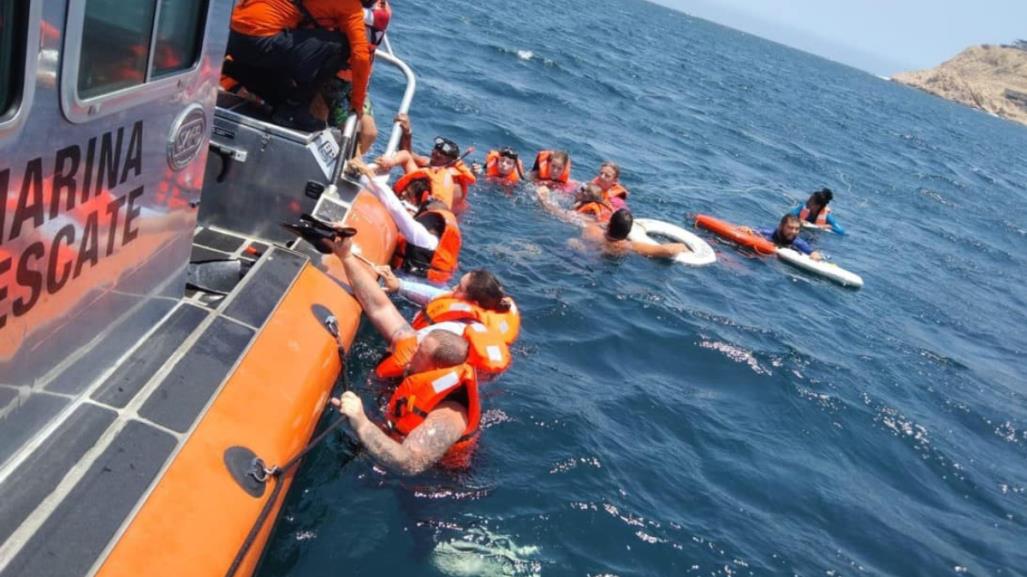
(350, 130)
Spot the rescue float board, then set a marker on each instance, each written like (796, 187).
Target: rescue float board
(828, 270)
(809, 226)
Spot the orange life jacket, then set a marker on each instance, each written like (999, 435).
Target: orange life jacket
(600, 211)
(446, 307)
(462, 176)
(821, 218)
(418, 394)
(487, 352)
(616, 189)
(436, 265)
(542, 162)
(492, 169)
(442, 185)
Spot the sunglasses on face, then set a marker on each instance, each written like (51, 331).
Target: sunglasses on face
(447, 147)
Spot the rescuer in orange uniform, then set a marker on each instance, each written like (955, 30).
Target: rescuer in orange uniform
(284, 50)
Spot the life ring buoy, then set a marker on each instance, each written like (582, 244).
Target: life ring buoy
(701, 253)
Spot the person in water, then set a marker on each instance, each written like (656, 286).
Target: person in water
(613, 238)
(608, 180)
(551, 167)
(477, 309)
(435, 411)
(444, 156)
(502, 166)
(816, 211)
(787, 235)
(588, 207)
(430, 238)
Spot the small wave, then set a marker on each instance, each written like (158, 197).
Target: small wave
(525, 54)
(574, 463)
(736, 354)
(481, 552)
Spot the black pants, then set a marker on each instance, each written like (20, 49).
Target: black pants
(288, 66)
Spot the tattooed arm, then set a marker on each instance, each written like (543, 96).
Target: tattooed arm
(421, 449)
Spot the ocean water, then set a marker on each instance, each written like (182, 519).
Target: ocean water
(738, 419)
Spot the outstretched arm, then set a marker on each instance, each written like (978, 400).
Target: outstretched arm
(556, 210)
(835, 227)
(376, 304)
(669, 250)
(421, 449)
(414, 232)
(407, 159)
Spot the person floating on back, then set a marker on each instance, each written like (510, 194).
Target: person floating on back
(787, 235)
(817, 213)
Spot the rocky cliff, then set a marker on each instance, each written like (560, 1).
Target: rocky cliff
(990, 78)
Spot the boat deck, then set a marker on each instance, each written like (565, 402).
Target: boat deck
(95, 446)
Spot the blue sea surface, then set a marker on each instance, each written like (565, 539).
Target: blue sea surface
(739, 419)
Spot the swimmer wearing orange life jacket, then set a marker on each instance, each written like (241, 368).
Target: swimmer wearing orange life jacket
(433, 416)
(589, 206)
(445, 157)
(429, 236)
(817, 213)
(608, 180)
(476, 309)
(551, 166)
(504, 166)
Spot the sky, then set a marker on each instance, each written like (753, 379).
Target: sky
(879, 36)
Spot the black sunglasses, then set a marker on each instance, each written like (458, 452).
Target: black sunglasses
(447, 147)
(508, 153)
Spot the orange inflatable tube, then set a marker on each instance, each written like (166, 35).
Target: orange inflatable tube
(736, 234)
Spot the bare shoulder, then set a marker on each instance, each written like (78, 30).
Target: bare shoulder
(441, 429)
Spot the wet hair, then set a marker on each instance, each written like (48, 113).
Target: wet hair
(613, 165)
(789, 218)
(620, 225)
(417, 188)
(588, 193)
(822, 196)
(560, 155)
(450, 349)
(483, 288)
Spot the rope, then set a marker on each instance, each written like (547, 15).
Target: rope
(276, 473)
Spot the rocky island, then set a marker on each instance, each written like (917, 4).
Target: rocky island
(989, 78)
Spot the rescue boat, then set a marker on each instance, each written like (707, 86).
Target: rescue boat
(166, 347)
